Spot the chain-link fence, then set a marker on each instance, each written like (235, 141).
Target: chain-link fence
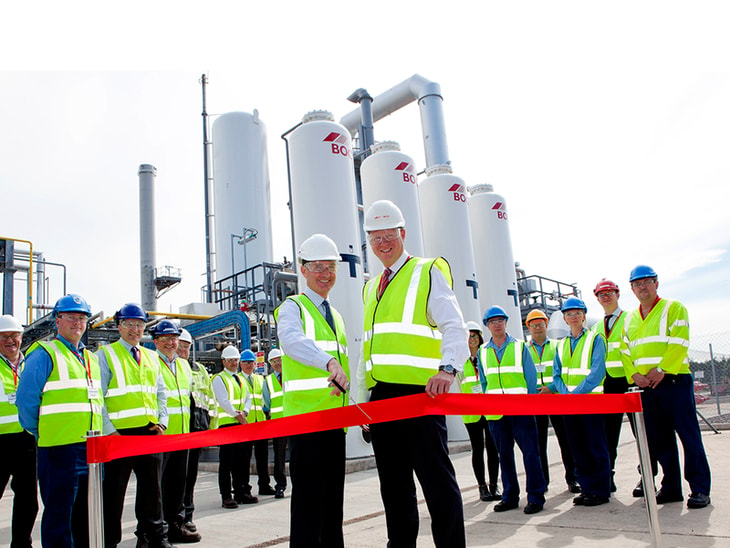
(709, 357)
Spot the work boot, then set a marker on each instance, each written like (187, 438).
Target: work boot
(178, 533)
(494, 493)
(484, 492)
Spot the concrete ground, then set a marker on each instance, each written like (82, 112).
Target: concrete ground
(623, 522)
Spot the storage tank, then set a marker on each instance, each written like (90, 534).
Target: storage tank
(389, 174)
(323, 201)
(241, 193)
(494, 261)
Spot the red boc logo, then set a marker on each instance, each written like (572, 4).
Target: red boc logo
(337, 142)
(501, 210)
(408, 172)
(459, 192)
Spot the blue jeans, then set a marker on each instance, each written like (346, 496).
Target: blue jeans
(63, 479)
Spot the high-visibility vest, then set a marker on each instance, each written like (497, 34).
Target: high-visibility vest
(660, 339)
(504, 376)
(178, 387)
(202, 392)
(305, 386)
(9, 423)
(71, 402)
(577, 362)
(399, 343)
(236, 396)
(276, 394)
(131, 398)
(544, 361)
(470, 384)
(614, 365)
(257, 397)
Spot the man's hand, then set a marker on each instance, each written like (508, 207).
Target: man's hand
(157, 429)
(337, 375)
(545, 390)
(241, 418)
(439, 383)
(641, 380)
(655, 376)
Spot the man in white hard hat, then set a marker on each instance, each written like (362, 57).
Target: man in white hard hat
(201, 400)
(315, 370)
(233, 402)
(415, 341)
(17, 458)
(276, 410)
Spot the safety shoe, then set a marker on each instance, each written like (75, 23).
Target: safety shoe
(638, 491)
(494, 493)
(574, 487)
(483, 492)
(229, 503)
(246, 498)
(663, 497)
(594, 500)
(190, 526)
(266, 490)
(698, 500)
(178, 533)
(279, 493)
(532, 508)
(506, 505)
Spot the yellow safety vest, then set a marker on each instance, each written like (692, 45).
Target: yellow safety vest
(236, 395)
(470, 384)
(257, 396)
(577, 362)
(504, 376)
(178, 387)
(9, 423)
(544, 362)
(614, 364)
(276, 393)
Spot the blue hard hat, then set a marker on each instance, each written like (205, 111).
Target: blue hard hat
(71, 303)
(494, 312)
(642, 271)
(248, 356)
(165, 327)
(573, 303)
(130, 311)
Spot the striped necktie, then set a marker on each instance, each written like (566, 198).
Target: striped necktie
(384, 280)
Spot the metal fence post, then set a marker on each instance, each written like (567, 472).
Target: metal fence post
(714, 380)
(96, 517)
(647, 477)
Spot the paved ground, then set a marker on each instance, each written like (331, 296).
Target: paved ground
(622, 522)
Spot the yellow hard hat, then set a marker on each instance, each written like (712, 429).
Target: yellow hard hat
(536, 315)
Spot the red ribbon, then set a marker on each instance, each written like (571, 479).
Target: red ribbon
(106, 448)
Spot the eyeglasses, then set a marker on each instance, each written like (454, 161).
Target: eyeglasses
(643, 283)
(10, 336)
(318, 268)
(496, 320)
(73, 319)
(606, 294)
(473, 335)
(132, 324)
(573, 313)
(377, 240)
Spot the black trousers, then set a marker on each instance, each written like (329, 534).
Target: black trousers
(587, 436)
(481, 439)
(174, 470)
(280, 461)
(231, 466)
(614, 385)
(260, 450)
(566, 455)
(317, 467)
(148, 502)
(419, 446)
(18, 460)
(190, 478)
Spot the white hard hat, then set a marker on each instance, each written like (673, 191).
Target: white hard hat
(9, 323)
(230, 353)
(473, 326)
(274, 353)
(185, 336)
(318, 247)
(382, 215)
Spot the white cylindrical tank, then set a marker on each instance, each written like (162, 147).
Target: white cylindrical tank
(446, 233)
(241, 193)
(388, 174)
(147, 248)
(494, 261)
(323, 201)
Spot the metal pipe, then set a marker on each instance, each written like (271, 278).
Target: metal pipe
(29, 305)
(147, 245)
(95, 496)
(647, 477)
(714, 380)
(206, 199)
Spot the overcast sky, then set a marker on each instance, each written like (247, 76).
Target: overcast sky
(605, 125)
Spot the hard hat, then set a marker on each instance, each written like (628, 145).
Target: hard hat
(230, 352)
(536, 315)
(185, 336)
(642, 271)
(9, 324)
(248, 356)
(605, 285)
(130, 311)
(165, 327)
(382, 215)
(573, 303)
(318, 247)
(71, 303)
(274, 353)
(473, 326)
(494, 312)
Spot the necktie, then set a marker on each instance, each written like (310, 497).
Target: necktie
(384, 280)
(135, 353)
(475, 364)
(328, 315)
(249, 380)
(235, 378)
(606, 322)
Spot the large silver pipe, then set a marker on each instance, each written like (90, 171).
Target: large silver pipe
(147, 251)
(430, 102)
(95, 500)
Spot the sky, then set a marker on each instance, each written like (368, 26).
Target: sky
(605, 125)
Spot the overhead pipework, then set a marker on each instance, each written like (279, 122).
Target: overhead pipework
(147, 242)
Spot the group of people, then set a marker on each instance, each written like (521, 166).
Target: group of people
(415, 341)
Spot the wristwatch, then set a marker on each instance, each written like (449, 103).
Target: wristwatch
(448, 368)
(659, 370)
